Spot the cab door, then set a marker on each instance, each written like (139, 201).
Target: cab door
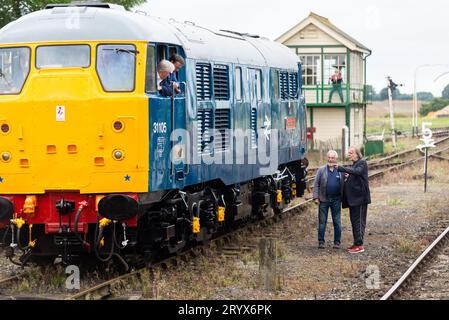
(167, 126)
(260, 113)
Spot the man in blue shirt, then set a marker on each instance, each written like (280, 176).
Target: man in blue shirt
(178, 63)
(327, 192)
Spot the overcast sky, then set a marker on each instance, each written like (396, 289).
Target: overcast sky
(401, 34)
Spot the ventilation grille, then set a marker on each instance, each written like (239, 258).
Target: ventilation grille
(283, 85)
(203, 86)
(253, 128)
(293, 85)
(204, 121)
(221, 82)
(222, 132)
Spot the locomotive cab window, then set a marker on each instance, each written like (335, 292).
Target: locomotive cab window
(64, 56)
(116, 67)
(14, 69)
(150, 77)
(162, 52)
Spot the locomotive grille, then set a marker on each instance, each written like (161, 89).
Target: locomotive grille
(253, 128)
(283, 85)
(293, 85)
(222, 126)
(204, 121)
(203, 81)
(221, 82)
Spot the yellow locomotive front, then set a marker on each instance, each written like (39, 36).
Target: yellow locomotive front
(74, 128)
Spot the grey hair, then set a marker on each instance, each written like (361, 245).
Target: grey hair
(357, 151)
(332, 152)
(165, 66)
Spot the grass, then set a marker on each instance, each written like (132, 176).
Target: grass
(375, 125)
(408, 246)
(394, 202)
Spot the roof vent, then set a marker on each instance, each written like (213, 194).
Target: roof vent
(85, 4)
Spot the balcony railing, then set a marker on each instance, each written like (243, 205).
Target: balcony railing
(320, 94)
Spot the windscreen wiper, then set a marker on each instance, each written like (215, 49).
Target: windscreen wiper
(120, 50)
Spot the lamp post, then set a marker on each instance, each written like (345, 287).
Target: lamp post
(415, 95)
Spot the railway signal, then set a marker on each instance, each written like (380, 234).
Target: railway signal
(391, 87)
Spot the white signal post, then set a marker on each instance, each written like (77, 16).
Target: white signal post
(390, 99)
(428, 142)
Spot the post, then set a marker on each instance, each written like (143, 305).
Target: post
(343, 144)
(415, 108)
(148, 280)
(425, 169)
(268, 264)
(321, 151)
(428, 142)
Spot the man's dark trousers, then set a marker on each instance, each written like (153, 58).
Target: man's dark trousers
(358, 222)
(333, 203)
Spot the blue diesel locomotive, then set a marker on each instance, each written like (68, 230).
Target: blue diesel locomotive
(230, 148)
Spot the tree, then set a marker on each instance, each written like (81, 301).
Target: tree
(371, 93)
(445, 93)
(434, 105)
(383, 94)
(11, 10)
(424, 96)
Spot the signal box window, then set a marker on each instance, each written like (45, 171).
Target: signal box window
(311, 69)
(116, 67)
(14, 69)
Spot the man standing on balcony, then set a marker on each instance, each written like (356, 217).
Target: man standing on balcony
(336, 80)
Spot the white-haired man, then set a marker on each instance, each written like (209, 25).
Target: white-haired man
(164, 85)
(327, 193)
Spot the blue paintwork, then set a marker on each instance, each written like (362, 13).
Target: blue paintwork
(163, 177)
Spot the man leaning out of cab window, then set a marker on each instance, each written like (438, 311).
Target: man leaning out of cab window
(164, 85)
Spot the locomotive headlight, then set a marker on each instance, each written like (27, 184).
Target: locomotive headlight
(118, 155)
(6, 156)
(5, 128)
(118, 126)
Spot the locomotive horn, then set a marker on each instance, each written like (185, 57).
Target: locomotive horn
(6, 209)
(118, 207)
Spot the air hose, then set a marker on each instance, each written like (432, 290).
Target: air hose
(77, 216)
(98, 236)
(18, 241)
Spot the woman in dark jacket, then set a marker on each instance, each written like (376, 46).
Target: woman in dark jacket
(356, 196)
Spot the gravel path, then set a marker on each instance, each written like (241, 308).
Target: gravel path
(402, 221)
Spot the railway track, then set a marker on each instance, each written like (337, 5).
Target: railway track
(106, 289)
(419, 266)
(109, 289)
(109, 286)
